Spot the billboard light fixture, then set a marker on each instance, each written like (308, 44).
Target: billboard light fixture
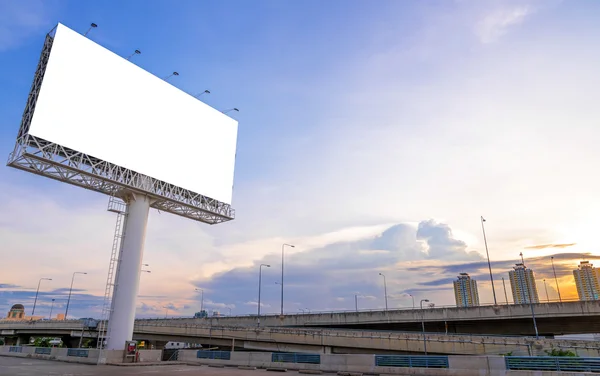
(92, 26)
(204, 92)
(136, 52)
(171, 75)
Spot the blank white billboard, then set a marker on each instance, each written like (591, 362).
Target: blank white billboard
(98, 103)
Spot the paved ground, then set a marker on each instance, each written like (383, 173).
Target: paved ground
(35, 367)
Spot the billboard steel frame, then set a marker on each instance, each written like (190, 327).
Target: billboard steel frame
(42, 157)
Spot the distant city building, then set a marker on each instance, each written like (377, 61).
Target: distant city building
(17, 312)
(522, 283)
(586, 280)
(465, 291)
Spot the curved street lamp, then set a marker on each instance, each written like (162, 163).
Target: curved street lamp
(37, 292)
(384, 290)
(70, 291)
(259, 287)
(423, 325)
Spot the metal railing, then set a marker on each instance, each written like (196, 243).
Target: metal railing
(295, 358)
(552, 363)
(321, 312)
(16, 349)
(223, 355)
(411, 361)
(43, 350)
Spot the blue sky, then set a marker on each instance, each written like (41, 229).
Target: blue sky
(372, 135)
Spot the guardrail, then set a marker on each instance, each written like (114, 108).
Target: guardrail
(296, 358)
(411, 361)
(16, 349)
(551, 363)
(223, 355)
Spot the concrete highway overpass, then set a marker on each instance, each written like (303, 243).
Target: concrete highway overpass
(552, 319)
(158, 332)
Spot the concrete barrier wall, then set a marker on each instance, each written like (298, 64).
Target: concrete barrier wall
(56, 353)
(458, 365)
(150, 356)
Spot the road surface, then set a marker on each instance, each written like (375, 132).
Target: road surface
(36, 367)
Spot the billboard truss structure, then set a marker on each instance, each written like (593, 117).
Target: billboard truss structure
(42, 157)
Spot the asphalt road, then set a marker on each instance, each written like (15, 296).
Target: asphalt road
(35, 367)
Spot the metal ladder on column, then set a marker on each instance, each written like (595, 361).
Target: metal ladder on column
(115, 205)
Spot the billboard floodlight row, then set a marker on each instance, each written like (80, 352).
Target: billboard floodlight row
(96, 120)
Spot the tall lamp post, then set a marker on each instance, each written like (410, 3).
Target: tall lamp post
(51, 308)
(488, 259)
(413, 299)
(529, 292)
(70, 291)
(384, 290)
(505, 294)
(546, 288)
(282, 253)
(356, 302)
(201, 300)
(423, 325)
(259, 287)
(555, 279)
(37, 292)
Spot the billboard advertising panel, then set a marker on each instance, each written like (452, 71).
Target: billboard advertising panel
(95, 102)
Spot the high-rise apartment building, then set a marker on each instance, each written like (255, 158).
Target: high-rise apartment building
(586, 280)
(522, 283)
(465, 291)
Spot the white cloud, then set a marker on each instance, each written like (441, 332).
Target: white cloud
(497, 23)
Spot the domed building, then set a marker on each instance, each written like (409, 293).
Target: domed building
(17, 312)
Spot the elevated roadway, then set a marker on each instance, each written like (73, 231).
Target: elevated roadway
(313, 340)
(552, 319)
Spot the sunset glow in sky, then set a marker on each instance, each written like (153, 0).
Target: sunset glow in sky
(372, 136)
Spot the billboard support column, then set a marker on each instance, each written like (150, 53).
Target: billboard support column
(127, 279)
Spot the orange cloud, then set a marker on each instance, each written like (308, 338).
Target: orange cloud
(543, 246)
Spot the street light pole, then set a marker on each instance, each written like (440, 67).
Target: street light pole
(70, 291)
(546, 288)
(488, 259)
(166, 312)
(505, 295)
(423, 325)
(259, 287)
(37, 292)
(529, 292)
(282, 249)
(51, 308)
(556, 279)
(201, 300)
(384, 290)
(413, 300)
(356, 302)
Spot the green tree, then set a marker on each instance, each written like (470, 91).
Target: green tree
(560, 352)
